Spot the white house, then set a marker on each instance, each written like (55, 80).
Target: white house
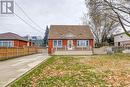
(121, 39)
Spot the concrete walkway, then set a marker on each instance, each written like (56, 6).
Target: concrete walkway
(14, 68)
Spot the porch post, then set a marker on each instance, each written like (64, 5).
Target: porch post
(65, 48)
(56, 48)
(82, 48)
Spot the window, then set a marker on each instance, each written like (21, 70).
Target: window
(57, 43)
(82, 43)
(60, 43)
(119, 44)
(6, 43)
(1, 44)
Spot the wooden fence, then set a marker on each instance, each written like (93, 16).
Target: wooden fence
(6, 53)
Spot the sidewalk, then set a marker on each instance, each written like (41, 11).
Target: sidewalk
(14, 68)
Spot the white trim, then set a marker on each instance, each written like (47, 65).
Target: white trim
(72, 43)
(57, 45)
(86, 42)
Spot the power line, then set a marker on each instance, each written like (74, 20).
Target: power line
(28, 16)
(27, 23)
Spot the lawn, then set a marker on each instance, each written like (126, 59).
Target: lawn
(76, 71)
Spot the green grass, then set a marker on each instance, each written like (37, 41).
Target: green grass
(68, 71)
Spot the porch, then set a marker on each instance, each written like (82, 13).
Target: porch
(74, 51)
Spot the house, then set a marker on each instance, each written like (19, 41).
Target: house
(70, 38)
(13, 40)
(121, 39)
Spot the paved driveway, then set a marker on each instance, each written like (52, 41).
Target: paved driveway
(14, 68)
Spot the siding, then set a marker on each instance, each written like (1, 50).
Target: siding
(18, 43)
(91, 43)
(122, 38)
(64, 43)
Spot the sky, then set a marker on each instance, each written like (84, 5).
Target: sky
(43, 13)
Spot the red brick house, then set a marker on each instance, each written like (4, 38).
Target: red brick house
(69, 38)
(13, 40)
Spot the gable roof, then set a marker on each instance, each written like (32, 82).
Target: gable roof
(70, 32)
(11, 36)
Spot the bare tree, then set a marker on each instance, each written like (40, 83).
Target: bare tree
(122, 11)
(105, 16)
(99, 20)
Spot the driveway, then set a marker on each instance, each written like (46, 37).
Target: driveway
(14, 68)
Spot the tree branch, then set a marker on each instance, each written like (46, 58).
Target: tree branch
(118, 16)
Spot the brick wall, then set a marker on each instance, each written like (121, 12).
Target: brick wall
(18, 43)
(64, 44)
(50, 46)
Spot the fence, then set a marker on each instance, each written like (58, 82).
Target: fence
(6, 53)
(42, 50)
(98, 45)
(117, 49)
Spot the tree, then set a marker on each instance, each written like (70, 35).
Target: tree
(99, 21)
(105, 16)
(46, 36)
(121, 9)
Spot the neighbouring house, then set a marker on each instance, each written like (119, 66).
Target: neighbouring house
(121, 39)
(37, 40)
(70, 38)
(13, 40)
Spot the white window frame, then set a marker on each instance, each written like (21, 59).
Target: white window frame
(2, 42)
(86, 43)
(57, 44)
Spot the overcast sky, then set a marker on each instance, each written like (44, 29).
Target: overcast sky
(43, 12)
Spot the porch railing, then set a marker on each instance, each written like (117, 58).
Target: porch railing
(65, 48)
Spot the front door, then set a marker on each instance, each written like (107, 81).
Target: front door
(70, 45)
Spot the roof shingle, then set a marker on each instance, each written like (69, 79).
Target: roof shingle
(70, 32)
(11, 36)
